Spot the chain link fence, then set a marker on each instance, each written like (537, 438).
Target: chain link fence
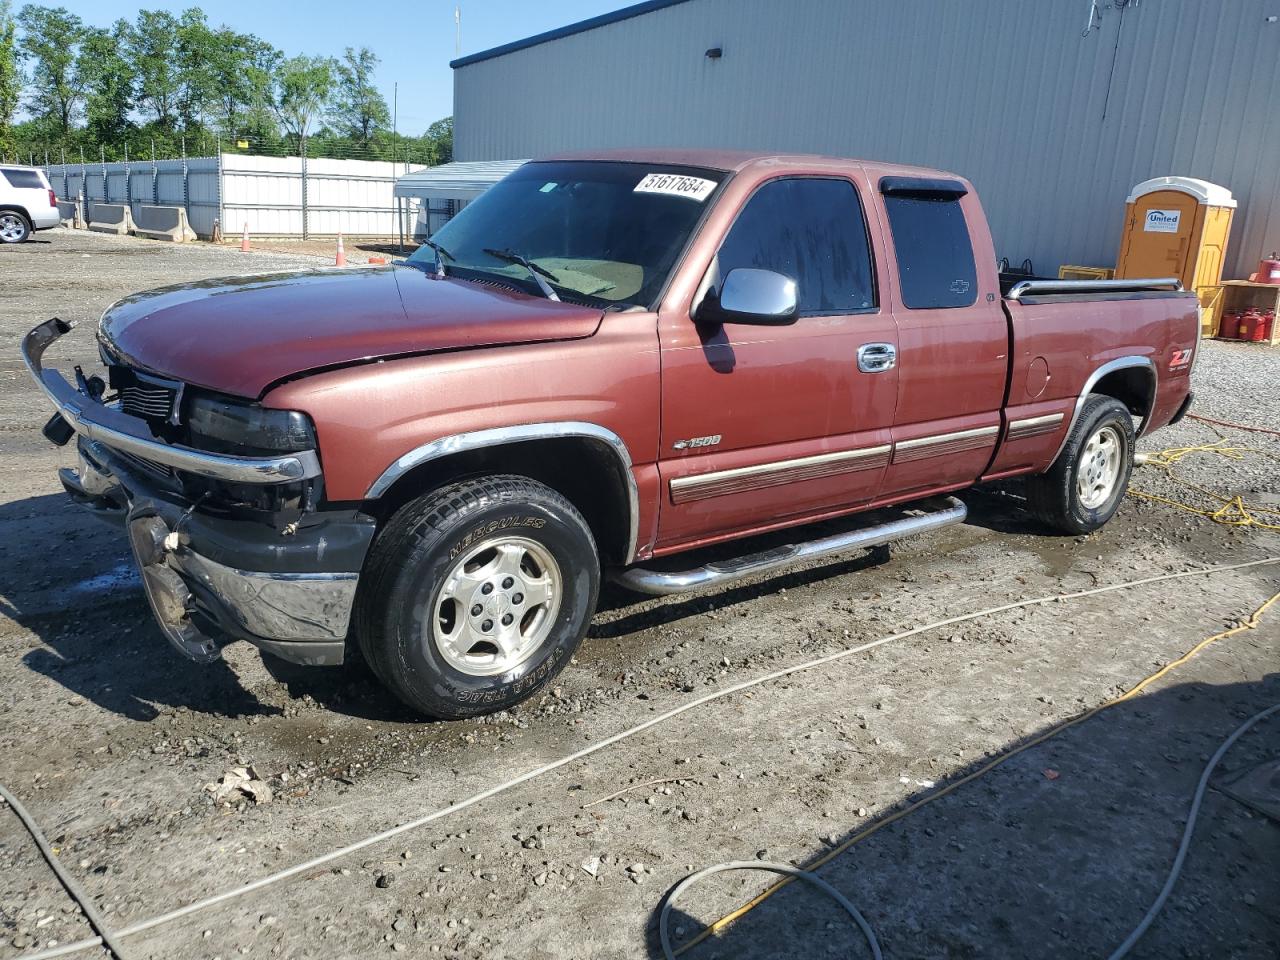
(399, 150)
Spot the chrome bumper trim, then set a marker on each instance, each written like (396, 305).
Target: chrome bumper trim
(120, 431)
(277, 606)
(303, 617)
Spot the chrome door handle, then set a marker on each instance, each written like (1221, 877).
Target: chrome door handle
(877, 357)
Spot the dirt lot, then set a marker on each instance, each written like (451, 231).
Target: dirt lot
(324, 250)
(111, 738)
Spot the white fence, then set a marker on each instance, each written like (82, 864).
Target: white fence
(274, 196)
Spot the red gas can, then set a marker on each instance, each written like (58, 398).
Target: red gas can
(1251, 326)
(1229, 325)
(1267, 322)
(1268, 271)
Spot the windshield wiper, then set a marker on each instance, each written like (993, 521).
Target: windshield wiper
(441, 254)
(535, 271)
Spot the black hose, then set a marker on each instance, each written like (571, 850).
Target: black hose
(74, 890)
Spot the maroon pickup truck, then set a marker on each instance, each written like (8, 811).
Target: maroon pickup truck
(604, 360)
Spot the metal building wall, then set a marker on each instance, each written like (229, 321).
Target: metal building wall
(1053, 128)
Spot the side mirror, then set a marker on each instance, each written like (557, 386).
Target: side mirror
(752, 296)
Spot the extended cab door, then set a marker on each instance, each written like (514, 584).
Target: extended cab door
(765, 425)
(953, 337)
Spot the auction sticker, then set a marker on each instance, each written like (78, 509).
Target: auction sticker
(675, 185)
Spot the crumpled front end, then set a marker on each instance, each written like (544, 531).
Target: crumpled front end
(229, 545)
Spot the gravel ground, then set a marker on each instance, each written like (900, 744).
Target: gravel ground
(324, 250)
(112, 740)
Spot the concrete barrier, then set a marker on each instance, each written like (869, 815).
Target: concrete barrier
(69, 212)
(110, 218)
(163, 223)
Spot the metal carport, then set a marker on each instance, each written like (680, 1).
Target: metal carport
(454, 183)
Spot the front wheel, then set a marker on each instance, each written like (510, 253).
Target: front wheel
(476, 595)
(14, 227)
(1084, 487)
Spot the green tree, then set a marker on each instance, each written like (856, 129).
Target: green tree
(438, 141)
(50, 39)
(302, 87)
(152, 52)
(358, 109)
(108, 83)
(10, 80)
(242, 68)
(195, 68)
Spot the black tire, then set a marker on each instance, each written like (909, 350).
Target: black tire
(17, 228)
(1054, 497)
(396, 611)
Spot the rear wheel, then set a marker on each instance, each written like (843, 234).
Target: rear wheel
(1084, 487)
(476, 595)
(14, 227)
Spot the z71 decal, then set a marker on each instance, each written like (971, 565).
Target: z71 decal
(1181, 358)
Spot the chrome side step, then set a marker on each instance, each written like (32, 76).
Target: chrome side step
(659, 583)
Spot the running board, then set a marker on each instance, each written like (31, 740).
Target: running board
(660, 583)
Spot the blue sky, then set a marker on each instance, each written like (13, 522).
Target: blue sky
(415, 41)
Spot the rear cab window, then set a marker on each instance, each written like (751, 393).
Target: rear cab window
(24, 179)
(812, 230)
(936, 268)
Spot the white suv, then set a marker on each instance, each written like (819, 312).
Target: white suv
(27, 203)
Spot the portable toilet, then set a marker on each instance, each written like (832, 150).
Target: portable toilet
(1177, 227)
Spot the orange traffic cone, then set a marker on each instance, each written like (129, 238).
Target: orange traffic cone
(244, 238)
(341, 259)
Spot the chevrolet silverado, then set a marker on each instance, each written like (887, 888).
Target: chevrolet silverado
(606, 359)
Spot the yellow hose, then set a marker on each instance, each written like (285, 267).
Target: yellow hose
(1232, 511)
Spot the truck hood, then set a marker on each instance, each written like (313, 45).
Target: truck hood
(240, 335)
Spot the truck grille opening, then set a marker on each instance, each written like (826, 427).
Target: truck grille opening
(150, 402)
(150, 398)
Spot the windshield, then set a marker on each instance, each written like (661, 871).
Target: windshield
(598, 231)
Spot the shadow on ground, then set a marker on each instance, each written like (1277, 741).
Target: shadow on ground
(85, 602)
(70, 580)
(1080, 831)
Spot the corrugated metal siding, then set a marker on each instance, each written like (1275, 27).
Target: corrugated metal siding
(454, 181)
(264, 193)
(145, 184)
(1010, 95)
(351, 196)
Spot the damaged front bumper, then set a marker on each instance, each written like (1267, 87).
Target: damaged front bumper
(212, 575)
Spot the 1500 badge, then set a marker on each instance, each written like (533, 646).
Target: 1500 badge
(696, 442)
